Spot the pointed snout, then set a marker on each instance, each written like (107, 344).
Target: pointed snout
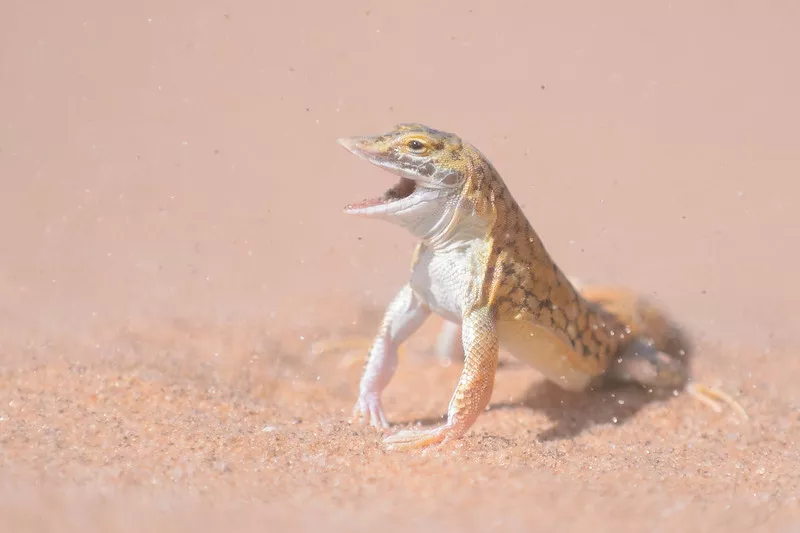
(349, 142)
(357, 145)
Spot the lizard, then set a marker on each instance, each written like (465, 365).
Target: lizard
(480, 265)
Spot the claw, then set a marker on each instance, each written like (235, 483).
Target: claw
(410, 439)
(376, 417)
(369, 410)
(712, 397)
(357, 415)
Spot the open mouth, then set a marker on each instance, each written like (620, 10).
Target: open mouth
(400, 190)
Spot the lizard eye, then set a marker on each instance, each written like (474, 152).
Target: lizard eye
(415, 145)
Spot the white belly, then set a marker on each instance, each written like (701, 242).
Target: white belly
(443, 280)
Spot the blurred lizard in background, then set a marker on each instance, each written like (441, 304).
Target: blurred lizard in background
(481, 267)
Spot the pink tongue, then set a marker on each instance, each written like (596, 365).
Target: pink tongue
(364, 203)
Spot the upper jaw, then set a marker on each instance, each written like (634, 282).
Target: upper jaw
(354, 144)
(365, 148)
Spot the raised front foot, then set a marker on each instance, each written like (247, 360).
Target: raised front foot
(411, 439)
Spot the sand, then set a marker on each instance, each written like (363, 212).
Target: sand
(173, 246)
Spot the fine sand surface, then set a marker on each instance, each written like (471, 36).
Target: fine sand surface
(172, 245)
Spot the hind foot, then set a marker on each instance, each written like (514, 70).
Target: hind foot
(644, 364)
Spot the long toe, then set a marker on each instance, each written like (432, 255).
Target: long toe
(712, 397)
(414, 439)
(377, 418)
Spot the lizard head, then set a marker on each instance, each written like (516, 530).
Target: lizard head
(429, 164)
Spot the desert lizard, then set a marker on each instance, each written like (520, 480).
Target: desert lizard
(481, 267)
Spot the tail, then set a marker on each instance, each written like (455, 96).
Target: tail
(646, 318)
(651, 323)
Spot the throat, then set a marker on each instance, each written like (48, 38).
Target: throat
(450, 227)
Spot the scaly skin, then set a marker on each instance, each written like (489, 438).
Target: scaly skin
(482, 267)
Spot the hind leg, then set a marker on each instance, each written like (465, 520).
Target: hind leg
(644, 364)
(449, 347)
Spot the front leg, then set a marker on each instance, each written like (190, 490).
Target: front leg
(481, 349)
(404, 316)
